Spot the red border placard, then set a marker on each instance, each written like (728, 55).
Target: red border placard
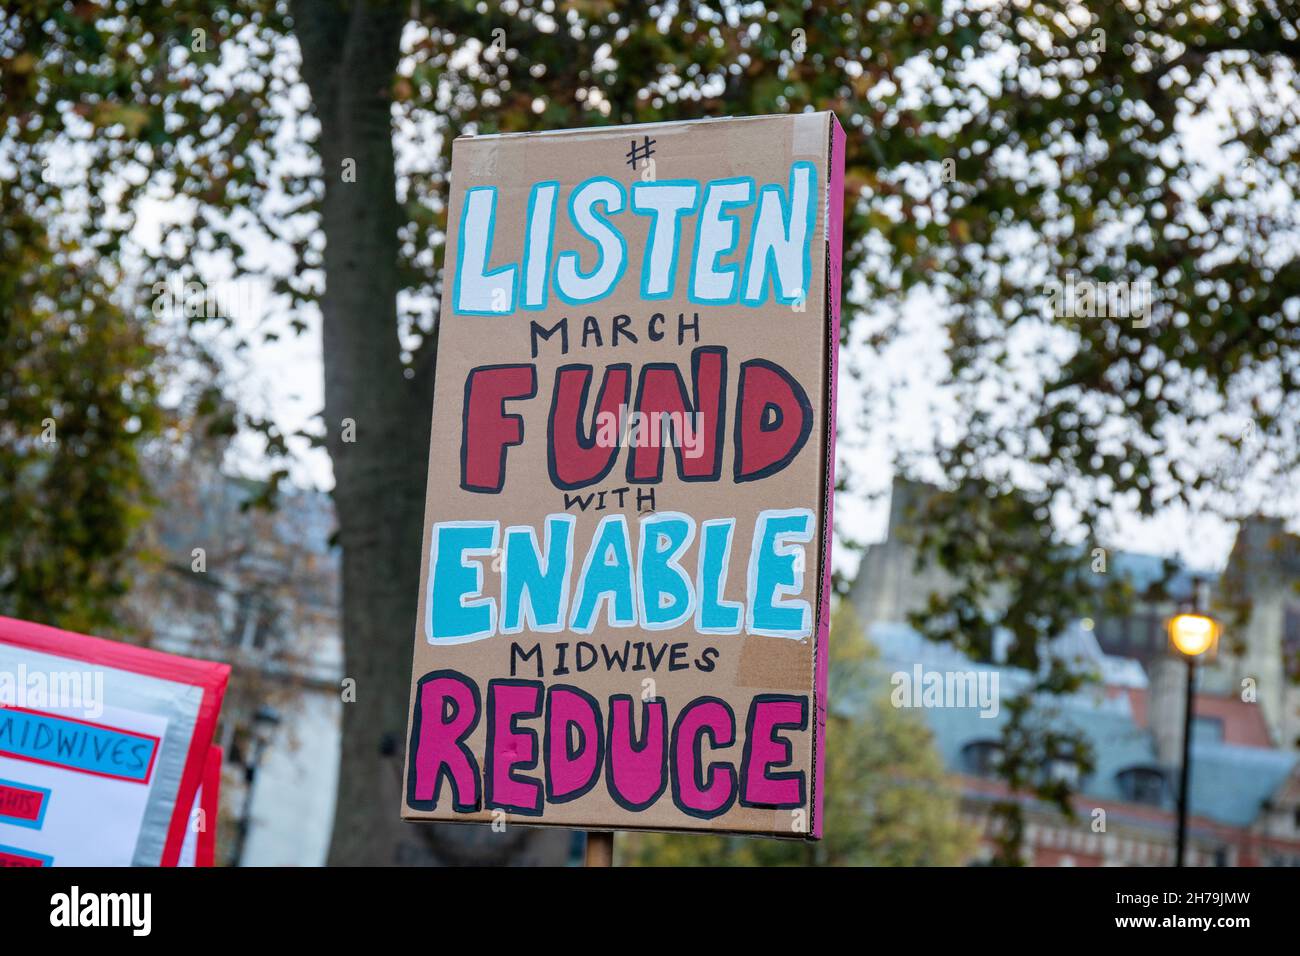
(206, 852)
(211, 676)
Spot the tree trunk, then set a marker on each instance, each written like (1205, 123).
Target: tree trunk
(350, 52)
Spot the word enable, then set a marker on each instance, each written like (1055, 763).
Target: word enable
(652, 591)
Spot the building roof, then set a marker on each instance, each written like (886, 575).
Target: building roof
(1229, 782)
(1145, 570)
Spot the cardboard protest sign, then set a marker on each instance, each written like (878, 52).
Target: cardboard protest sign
(624, 597)
(102, 748)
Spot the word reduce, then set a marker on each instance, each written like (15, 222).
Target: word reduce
(566, 731)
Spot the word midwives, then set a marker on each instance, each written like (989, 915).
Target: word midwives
(775, 256)
(541, 589)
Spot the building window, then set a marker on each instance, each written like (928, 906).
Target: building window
(1142, 785)
(982, 758)
(1153, 630)
(1138, 635)
(1207, 730)
(1112, 634)
(1291, 642)
(258, 622)
(1291, 627)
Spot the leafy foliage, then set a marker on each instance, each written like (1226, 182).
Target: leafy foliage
(78, 399)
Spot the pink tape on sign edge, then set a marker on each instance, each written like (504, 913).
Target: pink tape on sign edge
(835, 255)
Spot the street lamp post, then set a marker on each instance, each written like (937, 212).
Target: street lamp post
(264, 723)
(1192, 634)
(1185, 772)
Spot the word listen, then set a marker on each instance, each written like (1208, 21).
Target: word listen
(777, 254)
(575, 747)
(652, 591)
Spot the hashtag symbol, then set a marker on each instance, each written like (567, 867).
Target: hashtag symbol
(638, 153)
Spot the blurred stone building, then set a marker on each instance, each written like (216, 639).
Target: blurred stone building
(1245, 788)
(257, 589)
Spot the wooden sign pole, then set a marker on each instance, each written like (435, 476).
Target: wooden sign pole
(600, 848)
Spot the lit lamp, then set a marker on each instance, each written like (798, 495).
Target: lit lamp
(1192, 635)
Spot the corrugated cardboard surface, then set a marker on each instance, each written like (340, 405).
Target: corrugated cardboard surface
(799, 340)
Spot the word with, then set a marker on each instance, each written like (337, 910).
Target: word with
(777, 256)
(653, 592)
(600, 500)
(578, 741)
